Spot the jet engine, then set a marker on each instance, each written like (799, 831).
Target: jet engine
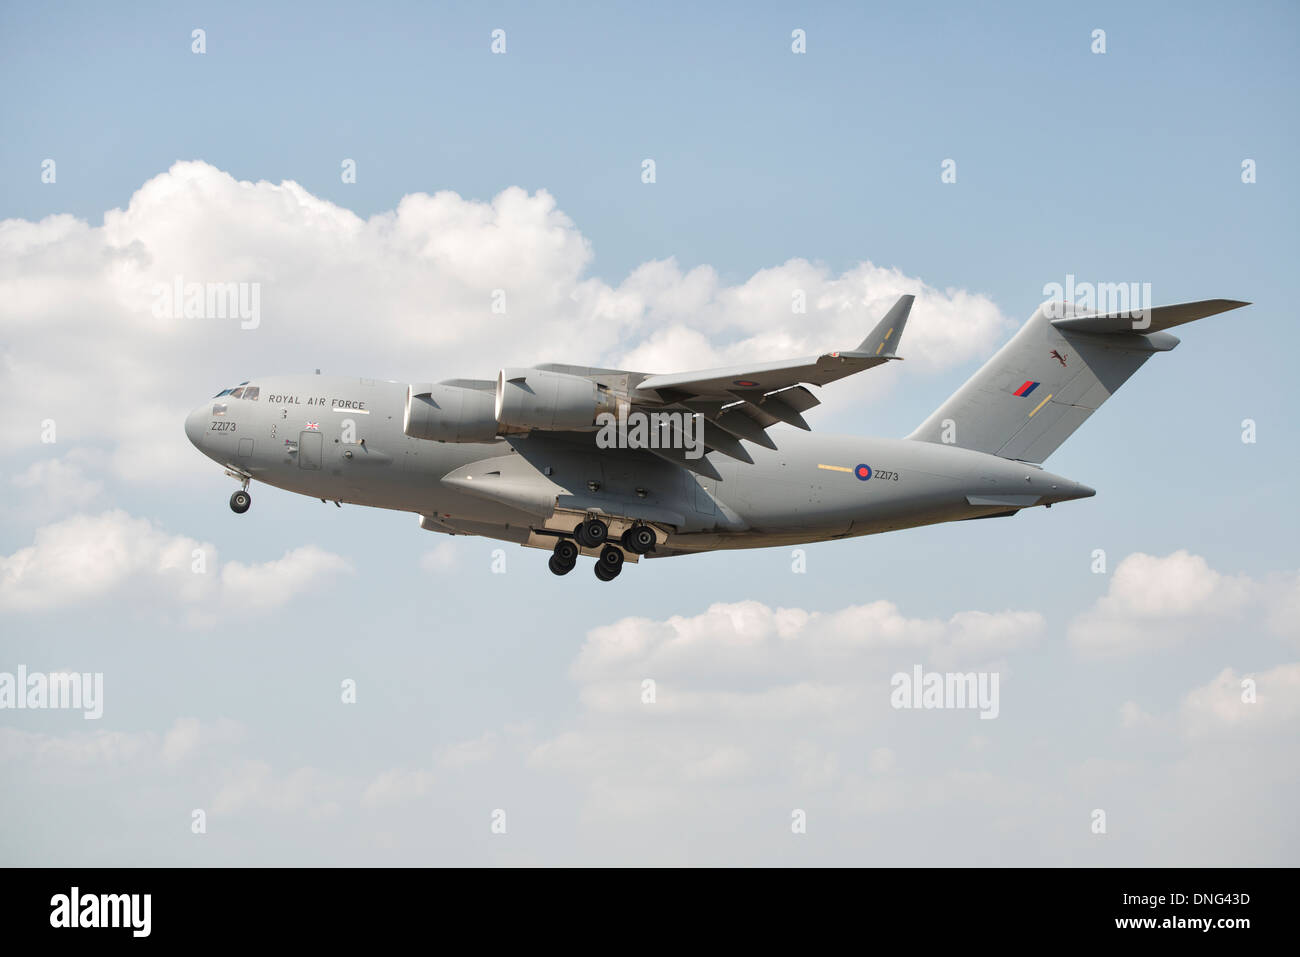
(550, 401)
(448, 413)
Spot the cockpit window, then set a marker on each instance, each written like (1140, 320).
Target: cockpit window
(219, 408)
(242, 391)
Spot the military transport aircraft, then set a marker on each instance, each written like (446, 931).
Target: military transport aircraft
(542, 456)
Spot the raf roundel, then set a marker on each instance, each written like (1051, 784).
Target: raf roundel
(863, 472)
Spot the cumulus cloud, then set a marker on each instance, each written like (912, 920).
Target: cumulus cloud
(442, 557)
(1155, 603)
(405, 294)
(86, 557)
(255, 786)
(754, 639)
(55, 486)
(184, 739)
(268, 584)
(754, 711)
(690, 712)
(396, 786)
(1240, 704)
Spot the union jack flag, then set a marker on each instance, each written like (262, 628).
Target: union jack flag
(312, 426)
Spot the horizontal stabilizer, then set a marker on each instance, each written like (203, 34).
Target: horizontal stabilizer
(1155, 319)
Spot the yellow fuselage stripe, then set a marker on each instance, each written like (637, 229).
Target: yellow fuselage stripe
(835, 468)
(1040, 405)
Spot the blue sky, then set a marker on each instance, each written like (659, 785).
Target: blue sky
(1117, 167)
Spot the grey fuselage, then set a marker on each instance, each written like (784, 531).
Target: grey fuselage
(342, 439)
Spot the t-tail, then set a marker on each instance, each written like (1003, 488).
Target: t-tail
(1054, 373)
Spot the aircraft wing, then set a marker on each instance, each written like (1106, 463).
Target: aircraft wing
(766, 377)
(743, 401)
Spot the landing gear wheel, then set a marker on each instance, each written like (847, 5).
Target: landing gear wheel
(591, 533)
(240, 501)
(558, 567)
(609, 564)
(639, 539)
(566, 552)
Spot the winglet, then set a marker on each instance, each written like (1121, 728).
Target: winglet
(883, 339)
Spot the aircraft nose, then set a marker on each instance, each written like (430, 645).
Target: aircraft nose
(194, 425)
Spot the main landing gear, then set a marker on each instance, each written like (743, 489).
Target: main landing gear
(564, 557)
(609, 564)
(591, 533)
(639, 540)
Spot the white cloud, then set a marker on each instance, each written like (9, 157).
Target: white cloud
(397, 786)
(1226, 706)
(770, 703)
(273, 583)
(184, 739)
(752, 639)
(254, 786)
(87, 557)
(442, 557)
(189, 736)
(1155, 603)
(468, 753)
(405, 294)
(55, 486)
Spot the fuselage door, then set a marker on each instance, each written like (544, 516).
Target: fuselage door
(309, 450)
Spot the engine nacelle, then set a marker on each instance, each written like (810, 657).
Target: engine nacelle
(550, 401)
(448, 413)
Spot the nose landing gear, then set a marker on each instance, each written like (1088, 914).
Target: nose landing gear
(240, 501)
